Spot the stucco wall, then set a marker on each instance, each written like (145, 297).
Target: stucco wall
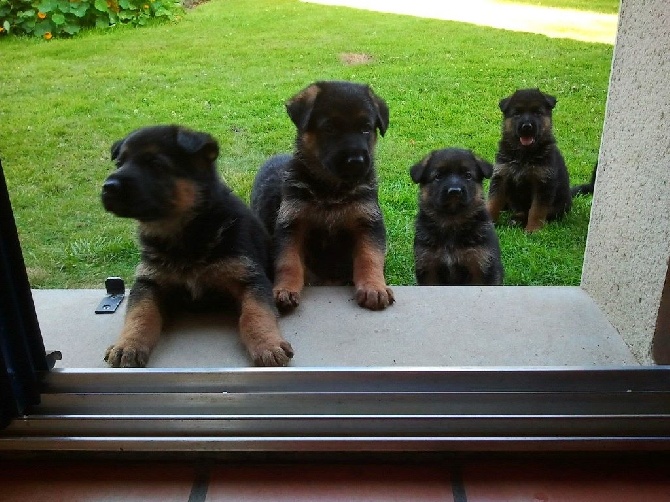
(628, 245)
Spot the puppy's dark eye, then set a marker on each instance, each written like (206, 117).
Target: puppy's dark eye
(437, 177)
(328, 128)
(366, 129)
(152, 163)
(468, 175)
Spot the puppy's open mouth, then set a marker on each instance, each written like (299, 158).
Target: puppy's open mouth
(527, 140)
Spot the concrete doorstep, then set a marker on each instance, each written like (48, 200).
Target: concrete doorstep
(427, 326)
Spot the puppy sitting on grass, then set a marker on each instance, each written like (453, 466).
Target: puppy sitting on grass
(455, 242)
(530, 177)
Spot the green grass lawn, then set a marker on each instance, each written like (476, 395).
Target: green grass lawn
(227, 68)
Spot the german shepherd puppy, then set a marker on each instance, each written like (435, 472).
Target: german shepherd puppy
(198, 242)
(321, 203)
(455, 242)
(529, 177)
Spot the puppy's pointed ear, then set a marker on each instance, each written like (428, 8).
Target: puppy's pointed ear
(300, 106)
(551, 100)
(504, 103)
(485, 168)
(419, 171)
(116, 148)
(382, 112)
(198, 143)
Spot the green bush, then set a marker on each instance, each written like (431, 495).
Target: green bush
(58, 18)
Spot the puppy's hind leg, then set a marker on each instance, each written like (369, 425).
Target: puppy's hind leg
(497, 198)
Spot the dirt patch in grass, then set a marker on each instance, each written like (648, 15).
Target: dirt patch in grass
(191, 4)
(353, 59)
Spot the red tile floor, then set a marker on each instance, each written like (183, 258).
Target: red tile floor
(499, 481)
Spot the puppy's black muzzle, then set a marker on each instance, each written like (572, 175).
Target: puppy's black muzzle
(353, 165)
(526, 131)
(453, 194)
(122, 196)
(111, 190)
(357, 161)
(114, 196)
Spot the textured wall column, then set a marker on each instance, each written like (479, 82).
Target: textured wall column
(628, 245)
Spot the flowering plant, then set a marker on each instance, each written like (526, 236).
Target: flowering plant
(52, 18)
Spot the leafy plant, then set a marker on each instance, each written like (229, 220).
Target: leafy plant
(59, 18)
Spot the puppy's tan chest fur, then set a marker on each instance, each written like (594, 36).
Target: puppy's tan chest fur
(329, 214)
(453, 256)
(522, 172)
(222, 275)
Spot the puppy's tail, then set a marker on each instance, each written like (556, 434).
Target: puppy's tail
(586, 188)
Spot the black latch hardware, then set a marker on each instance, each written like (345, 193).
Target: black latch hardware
(116, 290)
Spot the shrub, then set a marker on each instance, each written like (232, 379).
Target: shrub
(54, 18)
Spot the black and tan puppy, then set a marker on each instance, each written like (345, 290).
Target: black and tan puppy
(455, 242)
(198, 242)
(321, 203)
(529, 177)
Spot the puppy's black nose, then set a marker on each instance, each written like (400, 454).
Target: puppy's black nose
(526, 129)
(111, 187)
(453, 191)
(356, 160)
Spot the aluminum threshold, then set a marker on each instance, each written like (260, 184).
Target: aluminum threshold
(295, 410)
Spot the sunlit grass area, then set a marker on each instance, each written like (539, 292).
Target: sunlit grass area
(228, 67)
(604, 6)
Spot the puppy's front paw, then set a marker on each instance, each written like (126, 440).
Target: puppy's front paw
(534, 226)
(127, 355)
(286, 300)
(374, 298)
(272, 355)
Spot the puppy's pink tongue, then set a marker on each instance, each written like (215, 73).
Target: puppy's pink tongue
(525, 141)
